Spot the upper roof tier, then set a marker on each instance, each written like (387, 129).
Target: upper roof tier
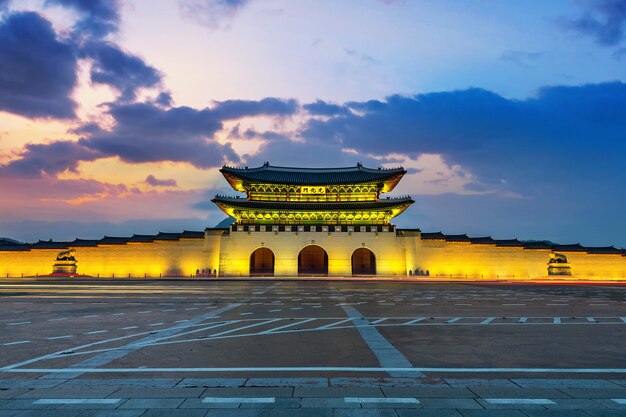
(268, 174)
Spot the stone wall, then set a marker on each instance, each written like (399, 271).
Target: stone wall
(396, 255)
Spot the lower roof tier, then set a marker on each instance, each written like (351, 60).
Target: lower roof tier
(345, 212)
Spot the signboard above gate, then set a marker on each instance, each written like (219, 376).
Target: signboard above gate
(312, 190)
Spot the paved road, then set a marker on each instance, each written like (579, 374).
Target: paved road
(311, 348)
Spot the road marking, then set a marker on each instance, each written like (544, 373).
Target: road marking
(454, 320)
(91, 315)
(246, 313)
(58, 319)
(539, 401)
(557, 320)
(13, 369)
(275, 329)
(144, 312)
(18, 323)
(117, 314)
(274, 311)
(523, 320)
(98, 332)
(21, 342)
(243, 328)
(191, 308)
(335, 323)
(385, 352)
(512, 304)
(383, 400)
(417, 320)
(60, 337)
(488, 320)
(169, 309)
(247, 400)
(130, 327)
(380, 320)
(155, 324)
(78, 401)
(621, 401)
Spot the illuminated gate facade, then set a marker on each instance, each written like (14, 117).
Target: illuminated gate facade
(313, 260)
(330, 212)
(363, 262)
(262, 262)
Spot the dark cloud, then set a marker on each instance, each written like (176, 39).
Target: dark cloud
(603, 20)
(98, 17)
(323, 108)
(146, 133)
(37, 70)
(123, 71)
(48, 159)
(156, 182)
(564, 135)
(213, 14)
(269, 106)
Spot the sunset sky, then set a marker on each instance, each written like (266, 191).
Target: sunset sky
(510, 116)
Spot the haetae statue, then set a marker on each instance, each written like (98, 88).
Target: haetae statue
(67, 255)
(557, 258)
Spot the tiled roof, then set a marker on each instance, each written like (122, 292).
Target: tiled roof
(604, 250)
(20, 247)
(508, 242)
(167, 236)
(83, 242)
(313, 206)
(457, 238)
(190, 234)
(112, 240)
(568, 248)
(141, 238)
(486, 240)
(42, 244)
(312, 176)
(542, 244)
(433, 235)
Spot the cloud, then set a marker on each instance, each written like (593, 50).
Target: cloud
(37, 70)
(603, 20)
(98, 17)
(50, 159)
(213, 14)
(521, 58)
(323, 108)
(146, 133)
(564, 134)
(123, 71)
(155, 182)
(269, 106)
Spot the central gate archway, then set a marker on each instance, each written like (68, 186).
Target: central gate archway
(313, 260)
(363, 262)
(262, 262)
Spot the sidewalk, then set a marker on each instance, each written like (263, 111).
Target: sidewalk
(294, 397)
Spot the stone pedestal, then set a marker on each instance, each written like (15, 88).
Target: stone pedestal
(559, 269)
(64, 268)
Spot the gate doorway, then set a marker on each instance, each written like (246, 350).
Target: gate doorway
(313, 260)
(363, 262)
(262, 263)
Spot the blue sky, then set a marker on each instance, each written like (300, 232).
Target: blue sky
(509, 116)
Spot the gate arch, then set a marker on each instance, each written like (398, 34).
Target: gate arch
(312, 260)
(262, 262)
(363, 262)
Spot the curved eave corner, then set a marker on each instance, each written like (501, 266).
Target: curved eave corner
(390, 184)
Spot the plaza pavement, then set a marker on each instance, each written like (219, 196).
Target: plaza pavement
(310, 348)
